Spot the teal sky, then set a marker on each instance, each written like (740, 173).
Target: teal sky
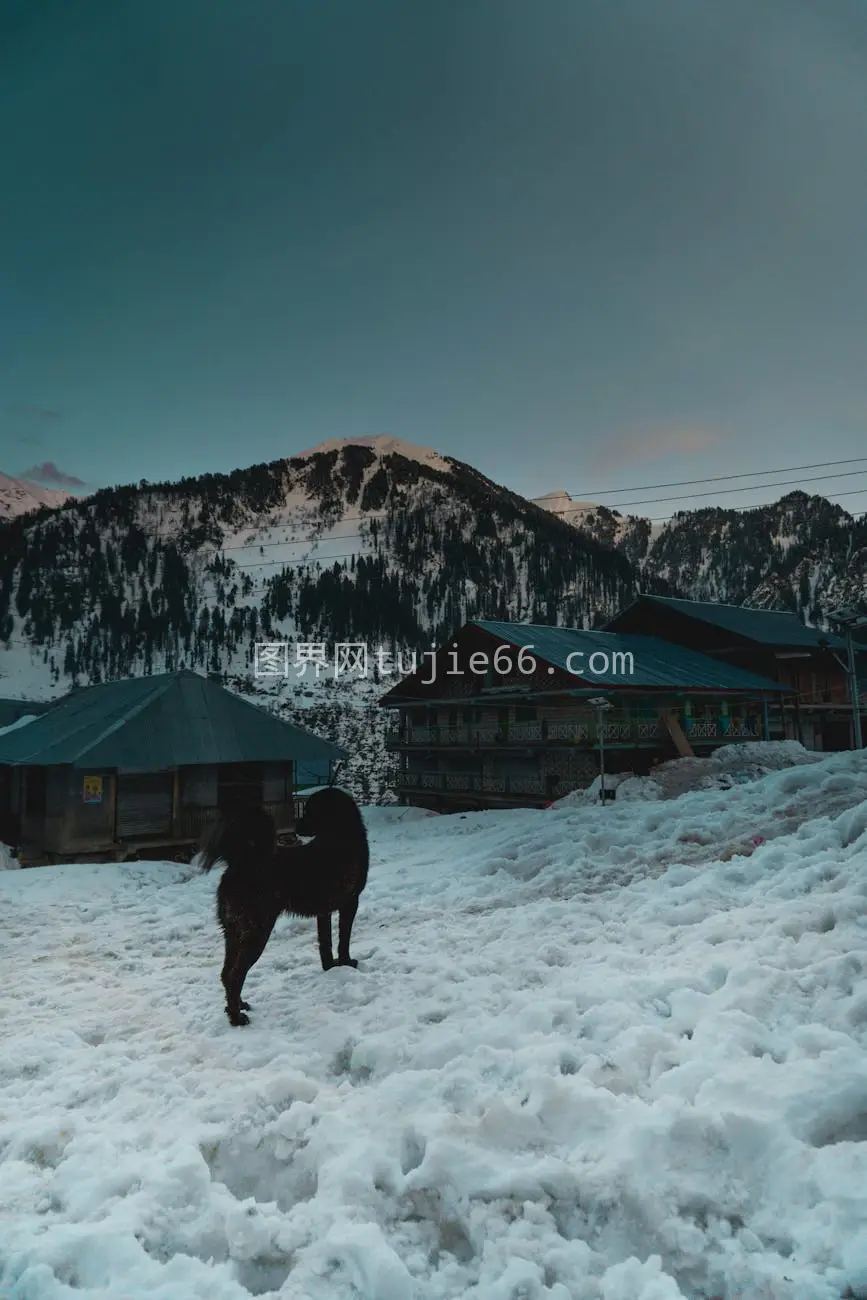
(581, 244)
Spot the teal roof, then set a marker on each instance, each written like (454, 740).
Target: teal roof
(12, 710)
(769, 627)
(150, 723)
(656, 664)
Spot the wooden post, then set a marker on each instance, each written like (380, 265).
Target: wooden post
(67, 819)
(176, 799)
(112, 816)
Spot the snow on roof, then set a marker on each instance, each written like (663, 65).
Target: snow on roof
(19, 722)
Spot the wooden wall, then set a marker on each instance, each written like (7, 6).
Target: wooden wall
(168, 805)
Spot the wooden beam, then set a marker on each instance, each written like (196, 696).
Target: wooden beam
(112, 812)
(684, 748)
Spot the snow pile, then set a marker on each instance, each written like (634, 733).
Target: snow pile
(583, 1058)
(727, 766)
(377, 816)
(7, 861)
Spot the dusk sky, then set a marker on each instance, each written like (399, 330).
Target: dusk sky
(582, 244)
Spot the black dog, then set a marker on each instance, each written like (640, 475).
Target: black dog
(264, 879)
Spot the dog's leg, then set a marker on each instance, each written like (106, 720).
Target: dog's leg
(243, 950)
(346, 917)
(323, 932)
(232, 951)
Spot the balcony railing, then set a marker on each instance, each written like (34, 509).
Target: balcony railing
(631, 732)
(470, 783)
(483, 734)
(723, 729)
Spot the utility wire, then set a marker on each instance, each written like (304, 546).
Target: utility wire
(725, 478)
(750, 487)
(314, 559)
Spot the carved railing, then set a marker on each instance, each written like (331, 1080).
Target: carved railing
(616, 731)
(470, 783)
(568, 731)
(571, 732)
(701, 730)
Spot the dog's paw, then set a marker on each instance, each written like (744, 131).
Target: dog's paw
(328, 962)
(245, 1006)
(239, 1019)
(347, 961)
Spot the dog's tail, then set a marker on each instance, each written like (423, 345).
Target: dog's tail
(245, 841)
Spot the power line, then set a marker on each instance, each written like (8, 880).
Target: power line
(313, 559)
(310, 560)
(748, 487)
(247, 546)
(367, 518)
(724, 478)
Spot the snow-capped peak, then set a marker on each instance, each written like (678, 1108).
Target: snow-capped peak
(560, 503)
(18, 496)
(383, 445)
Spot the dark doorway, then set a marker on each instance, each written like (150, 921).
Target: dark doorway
(239, 786)
(837, 735)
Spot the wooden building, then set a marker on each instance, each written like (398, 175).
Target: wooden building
(505, 713)
(771, 643)
(12, 714)
(143, 766)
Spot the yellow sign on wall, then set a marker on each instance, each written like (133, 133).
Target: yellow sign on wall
(93, 789)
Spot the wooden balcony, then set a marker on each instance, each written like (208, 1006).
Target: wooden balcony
(470, 783)
(545, 734)
(491, 735)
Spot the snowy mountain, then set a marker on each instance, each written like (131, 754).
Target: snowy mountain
(373, 540)
(629, 534)
(802, 553)
(18, 496)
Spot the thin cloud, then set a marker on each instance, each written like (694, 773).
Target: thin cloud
(49, 473)
(34, 412)
(650, 444)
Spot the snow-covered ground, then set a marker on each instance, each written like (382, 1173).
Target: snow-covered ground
(590, 1053)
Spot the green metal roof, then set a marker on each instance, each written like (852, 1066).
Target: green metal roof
(656, 664)
(768, 627)
(149, 723)
(12, 710)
